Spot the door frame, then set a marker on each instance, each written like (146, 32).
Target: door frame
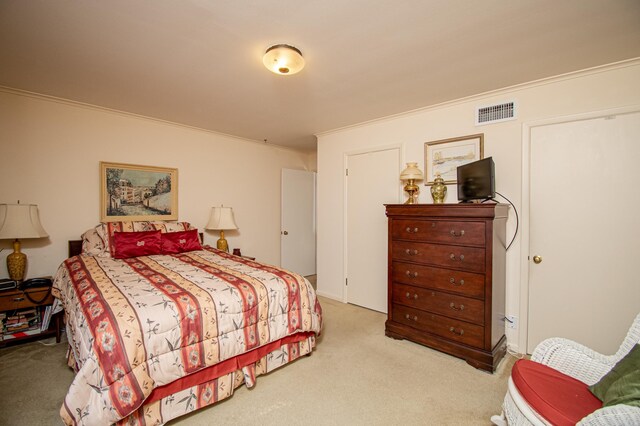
(345, 163)
(523, 331)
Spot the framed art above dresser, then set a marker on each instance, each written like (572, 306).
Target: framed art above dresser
(446, 278)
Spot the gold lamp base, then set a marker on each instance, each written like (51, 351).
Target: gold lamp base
(16, 262)
(412, 189)
(222, 243)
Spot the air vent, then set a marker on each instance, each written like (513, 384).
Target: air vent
(495, 113)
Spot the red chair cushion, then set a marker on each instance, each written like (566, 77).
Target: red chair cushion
(560, 399)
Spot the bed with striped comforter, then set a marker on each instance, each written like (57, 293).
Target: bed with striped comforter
(156, 337)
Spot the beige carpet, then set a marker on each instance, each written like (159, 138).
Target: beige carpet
(356, 376)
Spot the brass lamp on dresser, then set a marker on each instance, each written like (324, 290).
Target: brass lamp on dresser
(446, 278)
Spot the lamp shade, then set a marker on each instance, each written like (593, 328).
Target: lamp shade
(221, 219)
(20, 221)
(283, 59)
(411, 172)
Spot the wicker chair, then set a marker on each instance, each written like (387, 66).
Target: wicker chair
(579, 362)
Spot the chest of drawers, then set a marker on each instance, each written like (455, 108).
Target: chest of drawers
(446, 278)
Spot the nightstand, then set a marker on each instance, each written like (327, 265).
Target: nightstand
(22, 313)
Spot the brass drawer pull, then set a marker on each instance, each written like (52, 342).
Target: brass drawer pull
(454, 331)
(453, 281)
(411, 252)
(18, 299)
(412, 274)
(410, 231)
(453, 257)
(415, 318)
(453, 306)
(454, 234)
(415, 296)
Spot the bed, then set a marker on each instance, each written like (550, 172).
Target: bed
(155, 334)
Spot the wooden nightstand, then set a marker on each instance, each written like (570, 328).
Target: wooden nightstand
(26, 306)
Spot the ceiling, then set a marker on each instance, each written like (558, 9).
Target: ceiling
(199, 62)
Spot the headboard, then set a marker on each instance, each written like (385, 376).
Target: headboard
(75, 246)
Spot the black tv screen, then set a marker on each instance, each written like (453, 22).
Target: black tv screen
(476, 181)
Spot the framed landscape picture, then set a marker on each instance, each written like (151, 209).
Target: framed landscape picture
(130, 192)
(444, 156)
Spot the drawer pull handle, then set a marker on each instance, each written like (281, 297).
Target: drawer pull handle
(18, 299)
(453, 257)
(415, 296)
(412, 274)
(409, 230)
(459, 234)
(415, 318)
(454, 331)
(411, 252)
(453, 281)
(453, 306)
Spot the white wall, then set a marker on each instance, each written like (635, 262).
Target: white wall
(597, 89)
(50, 152)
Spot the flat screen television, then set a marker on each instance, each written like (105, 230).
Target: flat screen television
(476, 181)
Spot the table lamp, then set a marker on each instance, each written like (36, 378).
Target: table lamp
(411, 174)
(19, 221)
(221, 220)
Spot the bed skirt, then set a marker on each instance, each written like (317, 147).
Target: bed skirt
(214, 383)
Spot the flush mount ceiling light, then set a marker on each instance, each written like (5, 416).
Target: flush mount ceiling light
(283, 59)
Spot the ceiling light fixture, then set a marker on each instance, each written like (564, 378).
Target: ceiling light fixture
(283, 59)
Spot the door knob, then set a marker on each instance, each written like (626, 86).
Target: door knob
(537, 259)
(286, 233)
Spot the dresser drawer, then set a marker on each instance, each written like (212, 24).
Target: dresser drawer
(460, 282)
(455, 257)
(448, 328)
(439, 231)
(16, 299)
(457, 307)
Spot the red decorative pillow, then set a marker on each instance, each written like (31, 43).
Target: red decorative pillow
(179, 242)
(106, 231)
(134, 244)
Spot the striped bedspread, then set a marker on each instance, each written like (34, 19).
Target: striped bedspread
(137, 325)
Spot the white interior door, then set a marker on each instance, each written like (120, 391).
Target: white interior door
(372, 181)
(298, 233)
(584, 225)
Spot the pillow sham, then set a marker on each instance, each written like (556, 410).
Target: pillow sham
(180, 242)
(134, 244)
(621, 385)
(93, 244)
(171, 226)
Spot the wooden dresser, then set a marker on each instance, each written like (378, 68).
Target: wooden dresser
(446, 278)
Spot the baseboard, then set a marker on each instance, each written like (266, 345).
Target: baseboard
(335, 297)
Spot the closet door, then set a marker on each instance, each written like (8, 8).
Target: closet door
(372, 181)
(584, 228)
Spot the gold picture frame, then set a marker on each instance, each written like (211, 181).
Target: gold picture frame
(133, 192)
(444, 156)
